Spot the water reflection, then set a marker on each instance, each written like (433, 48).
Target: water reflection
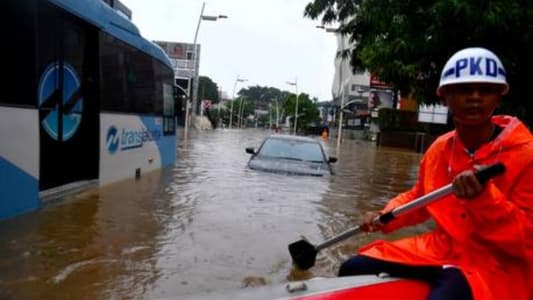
(206, 224)
(97, 244)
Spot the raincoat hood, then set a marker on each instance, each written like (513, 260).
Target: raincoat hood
(514, 133)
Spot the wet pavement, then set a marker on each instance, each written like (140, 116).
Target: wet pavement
(204, 225)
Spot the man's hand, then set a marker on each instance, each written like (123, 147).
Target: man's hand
(466, 185)
(368, 225)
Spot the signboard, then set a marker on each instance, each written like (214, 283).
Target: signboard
(376, 83)
(437, 114)
(380, 94)
(378, 98)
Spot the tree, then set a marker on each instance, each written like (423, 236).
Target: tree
(247, 108)
(406, 43)
(308, 113)
(240, 104)
(262, 96)
(208, 90)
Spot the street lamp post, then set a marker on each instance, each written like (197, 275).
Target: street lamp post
(233, 98)
(341, 83)
(341, 114)
(219, 104)
(277, 113)
(196, 75)
(240, 113)
(270, 116)
(295, 83)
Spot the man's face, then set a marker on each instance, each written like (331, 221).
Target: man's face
(472, 103)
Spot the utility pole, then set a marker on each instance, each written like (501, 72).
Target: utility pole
(192, 97)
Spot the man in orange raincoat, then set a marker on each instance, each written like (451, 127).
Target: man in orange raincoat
(482, 246)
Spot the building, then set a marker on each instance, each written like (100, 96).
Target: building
(327, 111)
(184, 58)
(363, 93)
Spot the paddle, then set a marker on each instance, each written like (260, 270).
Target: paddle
(304, 253)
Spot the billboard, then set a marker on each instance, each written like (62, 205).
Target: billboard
(378, 98)
(380, 94)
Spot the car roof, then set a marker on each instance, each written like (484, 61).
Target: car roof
(293, 138)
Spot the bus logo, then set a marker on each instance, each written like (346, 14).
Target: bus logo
(127, 139)
(70, 112)
(112, 140)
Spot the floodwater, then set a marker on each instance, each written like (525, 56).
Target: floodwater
(204, 225)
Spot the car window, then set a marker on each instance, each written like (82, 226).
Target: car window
(288, 149)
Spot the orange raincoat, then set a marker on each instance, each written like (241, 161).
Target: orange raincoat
(490, 237)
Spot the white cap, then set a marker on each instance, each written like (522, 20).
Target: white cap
(472, 65)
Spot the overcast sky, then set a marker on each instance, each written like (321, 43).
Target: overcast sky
(268, 42)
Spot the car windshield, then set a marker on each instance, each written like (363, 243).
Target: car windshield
(290, 149)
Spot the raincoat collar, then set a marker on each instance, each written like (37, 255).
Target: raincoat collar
(514, 133)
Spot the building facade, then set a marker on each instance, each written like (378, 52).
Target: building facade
(184, 59)
(363, 93)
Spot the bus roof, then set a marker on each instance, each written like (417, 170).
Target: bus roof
(108, 20)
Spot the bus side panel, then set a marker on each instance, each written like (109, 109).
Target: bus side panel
(166, 144)
(128, 143)
(19, 161)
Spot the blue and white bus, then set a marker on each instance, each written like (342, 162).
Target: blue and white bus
(85, 100)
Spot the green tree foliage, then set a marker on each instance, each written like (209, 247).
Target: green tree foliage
(406, 43)
(262, 96)
(241, 105)
(259, 97)
(208, 89)
(247, 108)
(308, 113)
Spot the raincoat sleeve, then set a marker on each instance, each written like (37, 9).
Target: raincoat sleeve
(505, 222)
(414, 217)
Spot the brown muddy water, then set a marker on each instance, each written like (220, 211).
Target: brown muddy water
(204, 225)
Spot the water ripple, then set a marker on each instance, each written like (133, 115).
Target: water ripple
(207, 223)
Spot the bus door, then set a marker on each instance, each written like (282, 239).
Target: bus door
(68, 98)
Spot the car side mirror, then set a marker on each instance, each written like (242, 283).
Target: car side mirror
(250, 150)
(332, 159)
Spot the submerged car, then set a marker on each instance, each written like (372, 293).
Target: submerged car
(289, 154)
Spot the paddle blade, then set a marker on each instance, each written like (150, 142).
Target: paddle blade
(303, 254)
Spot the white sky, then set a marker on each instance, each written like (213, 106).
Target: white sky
(268, 42)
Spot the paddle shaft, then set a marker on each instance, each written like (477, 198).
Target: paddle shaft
(482, 176)
(385, 218)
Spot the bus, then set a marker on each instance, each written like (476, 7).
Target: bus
(85, 101)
